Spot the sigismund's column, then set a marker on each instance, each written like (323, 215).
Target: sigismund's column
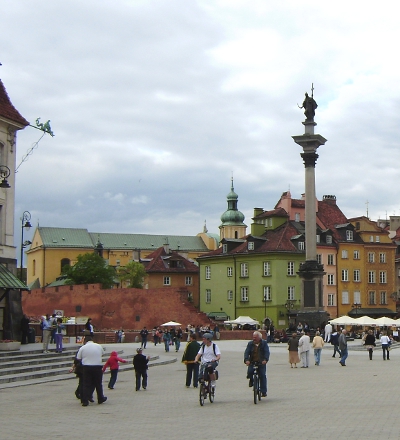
(311, 271)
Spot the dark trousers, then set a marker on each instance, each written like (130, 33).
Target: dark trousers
(92, 380)
(24, 339)
(113, 378)
(141, 376)
(192, 370)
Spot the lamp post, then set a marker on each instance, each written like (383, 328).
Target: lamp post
(25, 224)
(265, 299)
(356, 306)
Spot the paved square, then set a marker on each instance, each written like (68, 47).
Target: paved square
(359, 401)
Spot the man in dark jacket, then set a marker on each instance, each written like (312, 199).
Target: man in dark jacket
(140, 362)
(192, 368)
(257, 350)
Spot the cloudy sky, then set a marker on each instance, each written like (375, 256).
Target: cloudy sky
(155, 104)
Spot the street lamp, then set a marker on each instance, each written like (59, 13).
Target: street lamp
(265, 299)
(356, 306)
(25, 224)
(4, 173)
(289, 304)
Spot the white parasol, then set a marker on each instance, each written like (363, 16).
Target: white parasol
(170, 324)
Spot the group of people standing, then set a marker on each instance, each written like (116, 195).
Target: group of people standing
(52, 330)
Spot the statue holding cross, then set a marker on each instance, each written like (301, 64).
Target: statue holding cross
(309, 105)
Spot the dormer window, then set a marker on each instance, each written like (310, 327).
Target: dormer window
(301, 245)
(297, 217)
(318, 238)
(349, 235)
(250, 245)
(329, 239)
(224, 248)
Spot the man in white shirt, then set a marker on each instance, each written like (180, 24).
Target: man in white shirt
(92, 366)
(210, 354)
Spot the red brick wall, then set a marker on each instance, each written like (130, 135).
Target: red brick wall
(114, 308)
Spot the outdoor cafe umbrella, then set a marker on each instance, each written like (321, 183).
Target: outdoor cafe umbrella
(342, 320)
(386, 322)
(170, 324)
(365, 320)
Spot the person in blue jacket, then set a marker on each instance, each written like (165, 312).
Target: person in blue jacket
(257, 350)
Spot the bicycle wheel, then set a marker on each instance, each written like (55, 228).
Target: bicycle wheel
(255, 388)
(259, 390)
(201, 394)
(211, 393)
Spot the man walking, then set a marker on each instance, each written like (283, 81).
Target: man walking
(189, 355)
(143, 333)
(140, 362)
(92, 368)
(304, 349)
(343, 347)
(327, 332)
(257, 350)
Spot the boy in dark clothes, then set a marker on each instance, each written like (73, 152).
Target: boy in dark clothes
(140, 362)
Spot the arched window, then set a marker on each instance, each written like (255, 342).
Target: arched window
(65, 262)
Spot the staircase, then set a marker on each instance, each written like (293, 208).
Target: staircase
(18, 368)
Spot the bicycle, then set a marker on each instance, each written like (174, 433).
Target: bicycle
(205, 386)
(256, 384)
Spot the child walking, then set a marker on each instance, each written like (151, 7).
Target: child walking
(114, 366)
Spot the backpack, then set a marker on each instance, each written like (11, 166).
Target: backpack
(202, 346)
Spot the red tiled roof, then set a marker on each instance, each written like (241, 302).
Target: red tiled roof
(159, 256)
(7, 110)
(279, 212)
(330, 215)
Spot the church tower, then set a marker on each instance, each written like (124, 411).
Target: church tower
(232, 225)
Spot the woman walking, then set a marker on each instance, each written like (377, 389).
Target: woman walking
(293, 347)
(385, 341)
(370, 343)
(317, 344)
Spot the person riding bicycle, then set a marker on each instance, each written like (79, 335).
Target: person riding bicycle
(257, 350)
(210, 354)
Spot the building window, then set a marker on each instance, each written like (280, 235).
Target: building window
(349, 235)
(290, 268)
(356, 275)
(267, 293)
(357, 297)
(383, 276)
(244, 270)
(267, 268)
(188, 281)
(270, 222)
(371, 238)
(345, 275)
(383, 297)
(345, 297)
(230, 295)
(331, 279)
(331, 299)
(377, 239)
(34, 268)
(290, 292)
(64, 262)
(329, 239)
(356, 255)
(208, 272)
(371, 276)
(371, 257)
(167, 281)
(224, 248)
(250, 245)
(371, 297)
(208, 296)
(331, 259)
(382, 257)
(244, 294)
(230, 271)
(297, 217)
(344, 253)
(301, 246)
(319, 258)
(318, 238)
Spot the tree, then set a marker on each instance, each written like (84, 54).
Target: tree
(133, 273)
(89, 269)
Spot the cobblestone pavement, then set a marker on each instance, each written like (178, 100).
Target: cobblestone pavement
(358, 401)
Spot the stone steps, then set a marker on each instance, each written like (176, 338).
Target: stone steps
(34, 367)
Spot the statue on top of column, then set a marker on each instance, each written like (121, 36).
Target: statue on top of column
(309, 105)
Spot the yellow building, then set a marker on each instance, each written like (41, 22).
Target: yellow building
(366, 270)
(53, 248)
